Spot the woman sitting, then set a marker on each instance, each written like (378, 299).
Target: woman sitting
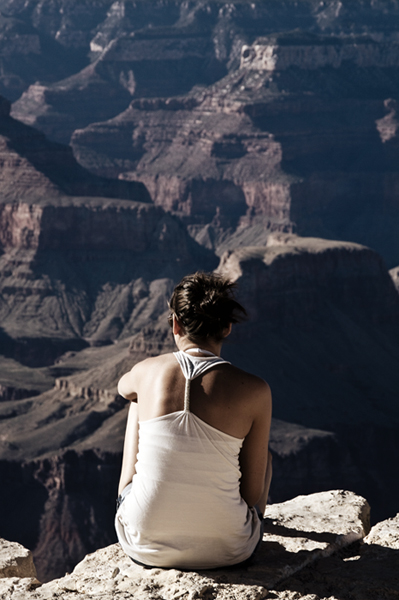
(196, 468)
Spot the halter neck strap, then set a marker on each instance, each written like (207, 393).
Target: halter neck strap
(199, 351)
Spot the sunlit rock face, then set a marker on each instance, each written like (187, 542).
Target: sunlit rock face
(279, 115)
(313, 545)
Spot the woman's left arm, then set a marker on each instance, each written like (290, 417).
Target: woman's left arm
(127, 385)
(254, 455)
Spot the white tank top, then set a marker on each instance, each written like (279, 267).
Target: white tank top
(184, 509)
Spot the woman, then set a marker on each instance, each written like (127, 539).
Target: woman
(195, 459)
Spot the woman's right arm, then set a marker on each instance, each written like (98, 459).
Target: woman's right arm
(130, 448)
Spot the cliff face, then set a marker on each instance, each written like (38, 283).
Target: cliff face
(331, 356)
(323, 357)
(92, 267)
(300, 137)
(312, 275)
(74, 257)
(34, 168)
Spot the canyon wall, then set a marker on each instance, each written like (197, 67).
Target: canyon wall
(306, 142)
(330, 357)
(199, 131)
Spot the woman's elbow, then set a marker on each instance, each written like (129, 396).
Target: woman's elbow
(252, 496)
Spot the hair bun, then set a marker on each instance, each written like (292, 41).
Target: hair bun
(205, 305)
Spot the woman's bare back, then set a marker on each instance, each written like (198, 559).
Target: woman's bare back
(225, 397)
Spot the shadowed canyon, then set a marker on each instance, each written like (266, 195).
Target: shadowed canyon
(143, 140)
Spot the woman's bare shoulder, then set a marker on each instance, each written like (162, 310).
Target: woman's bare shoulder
(155, 362)
(130, 383)
(248, 378)
(249, 386)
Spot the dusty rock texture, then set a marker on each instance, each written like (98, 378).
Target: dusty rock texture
(301, 534)
(15, 560)
(365, 571)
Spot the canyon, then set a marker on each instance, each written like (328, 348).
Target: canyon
(140, 141)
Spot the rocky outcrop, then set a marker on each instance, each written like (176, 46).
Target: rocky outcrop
(208, 167)
(313, 359)
(394, 273)
(15, 561)
(310, 546)
(160, 62)
(296, 50)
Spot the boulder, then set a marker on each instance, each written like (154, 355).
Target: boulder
(297, 534)
(385, 534)
(15, 560)
(362, 571)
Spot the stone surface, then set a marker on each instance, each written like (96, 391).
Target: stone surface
(112, 574)
(385, 534)
(341, 513)
(15, 560)
(368, 571)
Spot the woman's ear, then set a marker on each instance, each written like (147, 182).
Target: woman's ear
(177, 328)
(227, 331)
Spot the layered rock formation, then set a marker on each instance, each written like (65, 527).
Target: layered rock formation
(310, 548)
(136, 49)
(228, 131)
(32, 168)
(74, 257)
(300, 136)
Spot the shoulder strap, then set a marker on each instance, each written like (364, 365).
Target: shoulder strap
(194, 366)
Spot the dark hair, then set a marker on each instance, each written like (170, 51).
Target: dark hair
(204, 305)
